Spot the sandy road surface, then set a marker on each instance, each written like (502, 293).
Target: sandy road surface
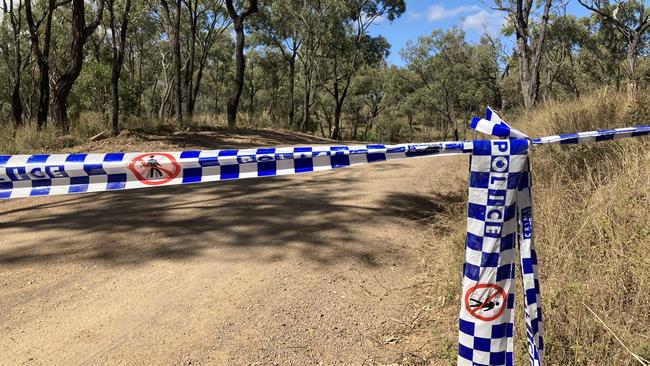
(297, 270)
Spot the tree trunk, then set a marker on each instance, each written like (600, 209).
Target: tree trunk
(42, 55)
(632, 79)
(292, 102)
(177, 65)
(118, 60)
(240, 61)
(251, 102)
(63, 86)
(306, 100)
(240, 64)
(165, 99)
(43, 96)
(452, 118)
(357, 121)
(173, 29)
(336, 131)
(529, 83)
(16, 101)
(189, 70)
(530, 46)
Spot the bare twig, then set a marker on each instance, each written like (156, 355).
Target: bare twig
(641, 360)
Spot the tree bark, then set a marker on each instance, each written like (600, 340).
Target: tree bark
(189, 68)
(306, 99)
(16, 27)
(529, 48)
(240, 61)
(42, 55)
(240, 64)
(118, 59)
(292, 80)
(632, 76)
(251, 93)
(174, 30)
(177, 66)
(80, 34)
(336, 131)
(192, 84)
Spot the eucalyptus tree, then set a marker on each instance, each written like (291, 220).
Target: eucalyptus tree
(278, 25)
(238, 18)
(40, 33)
(401, 96)
(310, 30)
(207, 22)
(347, 45)
(118, 44)
(602, 53)
(632, 20)
(530, 35)
(173, 29)
(141, 60)
(367, 100)
(80, 34)
(13, 11)
(567, 35)
(442, 62)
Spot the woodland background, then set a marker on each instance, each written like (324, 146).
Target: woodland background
(79, 67)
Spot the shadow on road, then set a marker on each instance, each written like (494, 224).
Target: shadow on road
(426, 210)
(321, 217)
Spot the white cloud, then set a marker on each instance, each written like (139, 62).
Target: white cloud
(414, 15)
(437, 12)
(482, 20)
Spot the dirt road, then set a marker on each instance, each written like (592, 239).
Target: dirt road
(300, 270)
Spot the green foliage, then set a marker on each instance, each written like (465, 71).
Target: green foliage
(92, 89)
(336, 65)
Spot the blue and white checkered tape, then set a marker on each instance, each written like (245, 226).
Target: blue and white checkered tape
(594, 136)
(41, 175)
(494, 125)
(499, 229)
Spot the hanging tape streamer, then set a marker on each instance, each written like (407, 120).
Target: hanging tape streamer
(499, 229)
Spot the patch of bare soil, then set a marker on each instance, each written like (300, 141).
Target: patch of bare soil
(357, 266)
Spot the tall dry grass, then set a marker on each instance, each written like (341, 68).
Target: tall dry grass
(592, 222)
(27, 139)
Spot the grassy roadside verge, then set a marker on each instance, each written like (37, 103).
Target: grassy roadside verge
(592, 218)
(592, 227)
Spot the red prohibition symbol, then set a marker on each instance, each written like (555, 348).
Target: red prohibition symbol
(155, 168)
(486, 305)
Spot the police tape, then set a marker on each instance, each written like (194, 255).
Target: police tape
(499, 208)
(56, 174)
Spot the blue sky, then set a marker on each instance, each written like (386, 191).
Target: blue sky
(423, 16)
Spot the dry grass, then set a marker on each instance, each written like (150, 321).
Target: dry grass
(27, 140)
(592, 222)
(592, 212)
